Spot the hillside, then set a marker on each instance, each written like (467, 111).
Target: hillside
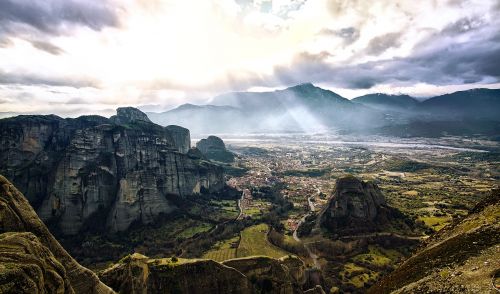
(471, 104)
(387, 102)
(461, 258)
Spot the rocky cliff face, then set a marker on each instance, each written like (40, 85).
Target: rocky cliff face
(31, 260)
(138, 274)
(214, 148)
(95, 171)
(181, 137)
(356, 207)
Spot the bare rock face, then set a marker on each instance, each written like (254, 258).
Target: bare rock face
(91, 171)
(31, 260)
(355, 207)
(126, 115)
(181, 136)
(214, 148)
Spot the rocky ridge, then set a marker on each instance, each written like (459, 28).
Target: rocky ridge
(100, 173)
(137, 273)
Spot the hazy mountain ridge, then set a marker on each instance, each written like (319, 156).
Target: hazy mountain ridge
(306, 107)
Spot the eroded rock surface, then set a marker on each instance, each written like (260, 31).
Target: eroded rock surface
(214, 148)
(181, 136)
(31, 260)
(357, 207)
(92, 171)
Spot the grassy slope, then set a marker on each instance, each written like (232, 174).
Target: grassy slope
(464, 251)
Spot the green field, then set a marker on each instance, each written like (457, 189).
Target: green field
(254, 242)
(222, 250)
(435, 222)
(191, 231)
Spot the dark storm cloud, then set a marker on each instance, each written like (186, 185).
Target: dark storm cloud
(463, 25)
(47, 47)
(437, 64)
(379, 44)
(32, 79)
(349, 34)
(49, 16)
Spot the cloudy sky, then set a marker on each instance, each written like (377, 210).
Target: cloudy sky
(89, 56)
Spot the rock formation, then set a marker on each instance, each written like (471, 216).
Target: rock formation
(93, 171)
(463, 257)
(137, 273)
(125, 115)
(272, 275)
(214, 148)
(181, 136)
(31, 260)
(356, 207)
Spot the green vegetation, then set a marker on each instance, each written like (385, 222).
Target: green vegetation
(403, 165)
(311, 172)
(254, 242)
(223, 250)
(191, 231)
(435, 222)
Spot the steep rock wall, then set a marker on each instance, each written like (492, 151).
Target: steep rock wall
(75, 170)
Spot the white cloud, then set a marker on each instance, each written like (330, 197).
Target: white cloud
(166, 52)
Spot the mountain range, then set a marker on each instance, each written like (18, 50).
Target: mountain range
(306, 108)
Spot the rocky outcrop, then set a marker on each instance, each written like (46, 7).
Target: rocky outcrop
(95, 172)
(463, 257)
(181, 136)
(356, 207)
(272, 275)
(125, 115)
(214, 148)
(138, 274)
(31, 260)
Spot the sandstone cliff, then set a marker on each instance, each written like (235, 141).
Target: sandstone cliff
(181, 136)
(93, 171)
(357, 207)
(214, 148)
(463, 257)
(31, 260)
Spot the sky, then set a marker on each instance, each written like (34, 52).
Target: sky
(73, 57)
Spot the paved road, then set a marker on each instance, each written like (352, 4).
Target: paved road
(239, 206)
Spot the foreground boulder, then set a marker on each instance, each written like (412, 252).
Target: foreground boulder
(31, 260)
(214, 148)
(358, 207)
(463, 257)
(101, 173)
